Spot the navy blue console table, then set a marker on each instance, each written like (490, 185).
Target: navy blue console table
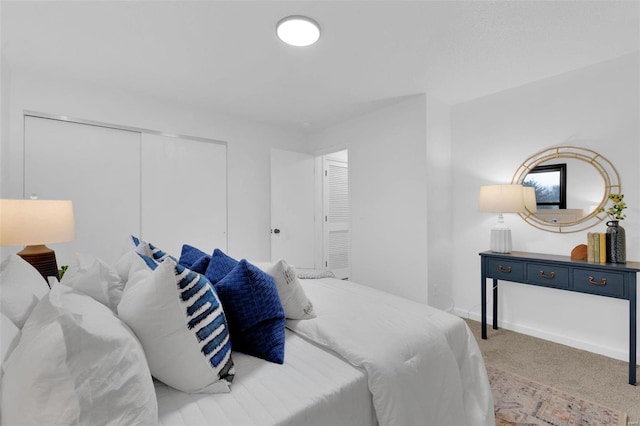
(602, 279)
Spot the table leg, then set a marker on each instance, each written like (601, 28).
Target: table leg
(632, 328)
(483, 299)
(495, 304)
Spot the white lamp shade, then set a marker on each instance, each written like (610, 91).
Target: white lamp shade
(502, 199)
(36, 222)
(530, 201)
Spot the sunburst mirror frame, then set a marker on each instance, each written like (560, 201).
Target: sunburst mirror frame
(603, 166)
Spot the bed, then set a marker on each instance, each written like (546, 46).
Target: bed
(108, 345)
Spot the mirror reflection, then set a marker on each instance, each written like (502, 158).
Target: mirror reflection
(550, 185)
(571, 190)
(571, 184)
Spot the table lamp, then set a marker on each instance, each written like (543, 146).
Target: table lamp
(504, 199)
(34, 223)
(530, 200)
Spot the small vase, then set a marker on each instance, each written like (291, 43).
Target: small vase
(616, 243)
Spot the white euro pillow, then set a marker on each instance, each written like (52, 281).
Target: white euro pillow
(21, 288)
(77, 363)
(180, 322)
(294, 300)
(9, 337)
(95, 278)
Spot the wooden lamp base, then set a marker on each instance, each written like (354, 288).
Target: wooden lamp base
(42, 258)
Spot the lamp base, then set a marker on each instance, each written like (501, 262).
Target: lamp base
(42, 258)
(500, 240)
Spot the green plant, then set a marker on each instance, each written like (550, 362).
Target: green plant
(62, 270)
(615, 211)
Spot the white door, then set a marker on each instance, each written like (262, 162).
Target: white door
(184, 193)
(336, 238)
(292, 208)
(98, 169)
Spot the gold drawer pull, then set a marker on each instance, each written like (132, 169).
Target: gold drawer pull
(506, 270)
(602, 282)
(549, 276)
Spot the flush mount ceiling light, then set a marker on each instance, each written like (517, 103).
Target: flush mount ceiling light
(298, 30)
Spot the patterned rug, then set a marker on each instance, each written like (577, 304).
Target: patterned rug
(520, 401)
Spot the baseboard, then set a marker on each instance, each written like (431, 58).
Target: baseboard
(546, 335)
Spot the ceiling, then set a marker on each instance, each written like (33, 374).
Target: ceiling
(224, 56)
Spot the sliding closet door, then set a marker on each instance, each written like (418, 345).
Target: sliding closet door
(95, 167)
(184, 193)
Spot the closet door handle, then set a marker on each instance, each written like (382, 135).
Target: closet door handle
(602, 282)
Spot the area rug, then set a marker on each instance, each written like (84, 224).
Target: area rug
(520, 401)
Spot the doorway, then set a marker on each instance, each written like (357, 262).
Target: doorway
(336, 241)
(310, 220)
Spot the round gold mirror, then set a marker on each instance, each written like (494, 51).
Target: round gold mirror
(572, 184)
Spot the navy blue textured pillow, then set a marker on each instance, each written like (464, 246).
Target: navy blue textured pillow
(194, 259)
(219, 266)
(254, 312)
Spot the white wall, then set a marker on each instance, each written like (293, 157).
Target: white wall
(387, 178)
(439, 201)
(4, 118)
(595, 107)
(247, 155)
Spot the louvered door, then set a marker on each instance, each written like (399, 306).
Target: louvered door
(336, 217)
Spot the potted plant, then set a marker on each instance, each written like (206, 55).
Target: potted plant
(615, 238)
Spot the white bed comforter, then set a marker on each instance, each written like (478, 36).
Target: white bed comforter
(424, 366)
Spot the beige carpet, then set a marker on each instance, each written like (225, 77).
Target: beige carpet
(520, 401)
(589, 376)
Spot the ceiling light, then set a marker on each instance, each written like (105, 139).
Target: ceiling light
(298, 30)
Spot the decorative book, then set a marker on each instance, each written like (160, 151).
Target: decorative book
(596, 247)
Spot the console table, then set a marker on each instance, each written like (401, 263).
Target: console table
(602, 279)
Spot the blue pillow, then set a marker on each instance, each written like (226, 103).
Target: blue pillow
(200, 266)
(158, 254)
(194, 259)
(254, 312)
(149, 250)
(219, 266)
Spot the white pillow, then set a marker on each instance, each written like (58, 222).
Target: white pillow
(95, 278)
(294, 300)
(129, 257)
(125, 261)
(9, 337)
(77, 363)
(21, 287)
(124, 264)
(180, 322)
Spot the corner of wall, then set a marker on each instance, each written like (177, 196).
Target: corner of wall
(439, 203)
